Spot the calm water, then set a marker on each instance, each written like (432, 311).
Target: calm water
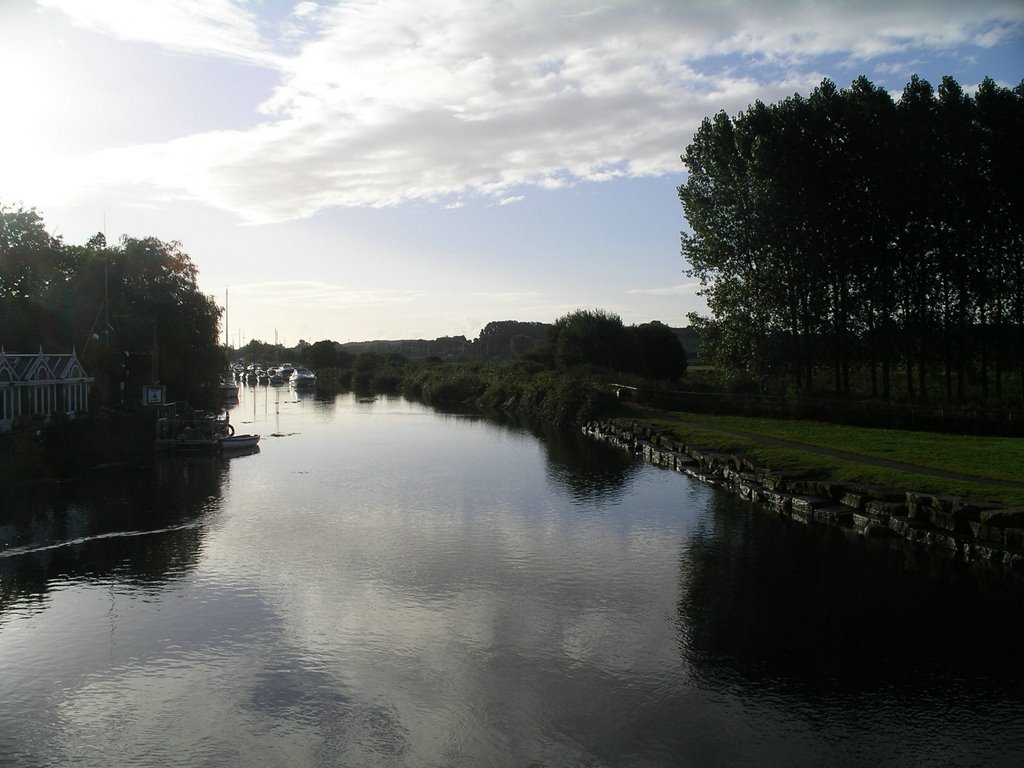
(386, 585)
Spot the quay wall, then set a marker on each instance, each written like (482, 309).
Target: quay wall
(975, 533)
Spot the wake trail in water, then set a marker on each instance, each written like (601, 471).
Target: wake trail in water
(33, 548)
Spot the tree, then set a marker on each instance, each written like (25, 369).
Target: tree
(29, 255)
(322, 354)
(999, 115)
(661, 354)
(31, 263)
(134, 312)
(848, 230)
(591, 337)
(508, 338)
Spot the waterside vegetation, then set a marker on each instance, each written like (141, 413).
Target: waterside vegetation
(848, 239)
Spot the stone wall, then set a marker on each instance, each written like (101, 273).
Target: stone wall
(965, 530)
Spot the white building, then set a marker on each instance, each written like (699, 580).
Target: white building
(37, 386)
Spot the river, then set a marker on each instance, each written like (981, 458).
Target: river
(383, 584)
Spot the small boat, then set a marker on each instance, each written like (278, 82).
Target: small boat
(179, 427)
(303, 378)
(238, 442)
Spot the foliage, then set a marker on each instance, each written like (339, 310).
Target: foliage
(133, 311)
(516, 388)
(598, 339)
(660, 353)
(325, 354)
(845, 231)
(508, 339)
(376, 372)
(591, 337)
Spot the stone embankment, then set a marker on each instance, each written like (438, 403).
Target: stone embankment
(969, 531)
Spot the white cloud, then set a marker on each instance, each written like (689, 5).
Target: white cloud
(389, 101)
(215, 27)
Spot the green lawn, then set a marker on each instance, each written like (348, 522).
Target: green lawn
(981, 457)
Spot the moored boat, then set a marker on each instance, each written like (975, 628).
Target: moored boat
(179, 427)
(303, 378)
(228, 389)
(238, 442)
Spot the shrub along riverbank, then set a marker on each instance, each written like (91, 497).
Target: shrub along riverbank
(523, 389)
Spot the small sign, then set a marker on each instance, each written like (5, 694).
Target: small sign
(154, 394)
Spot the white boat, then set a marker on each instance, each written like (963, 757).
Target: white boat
(238, 442)
(303, 378)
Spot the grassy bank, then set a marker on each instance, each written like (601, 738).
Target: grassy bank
(956, 465)
(859, 455)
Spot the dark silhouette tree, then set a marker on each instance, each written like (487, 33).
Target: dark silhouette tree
(848, 231)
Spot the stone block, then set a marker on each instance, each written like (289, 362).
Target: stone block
(751, 491)
(683, 461)
(951, 513)
(778, 502)
(883, 510)
(919, 532)
(833, 514)
(801, 508)
(853, 500)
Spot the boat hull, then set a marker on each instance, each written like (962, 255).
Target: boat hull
(238, 442)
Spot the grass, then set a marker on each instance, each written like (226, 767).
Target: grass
(982, 457)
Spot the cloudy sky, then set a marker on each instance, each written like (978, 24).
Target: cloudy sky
(362, 169)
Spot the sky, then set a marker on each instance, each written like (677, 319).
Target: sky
(388, 169)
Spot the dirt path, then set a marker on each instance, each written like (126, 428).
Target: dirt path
(696, 423)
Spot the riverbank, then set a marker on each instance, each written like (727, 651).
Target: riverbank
(977, 533)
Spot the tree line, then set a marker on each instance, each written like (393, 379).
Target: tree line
(592, 338)
(132, 311)
(850, 236)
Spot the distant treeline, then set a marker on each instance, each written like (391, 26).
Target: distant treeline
(498, 340)
(874, 239)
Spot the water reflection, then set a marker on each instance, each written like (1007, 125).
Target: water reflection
(383, 585)
(589, 469)
(860, 659)
(77, 530)
(823, 611)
